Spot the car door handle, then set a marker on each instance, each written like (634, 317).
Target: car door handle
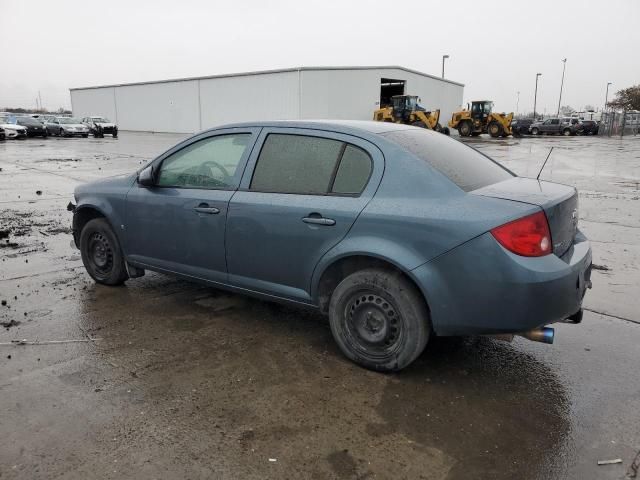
(316, 220)
(204, 208)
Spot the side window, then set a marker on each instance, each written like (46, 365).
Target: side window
(296, 164)
(353, 172)
(209, 163)
(547, 122)
(555, 121)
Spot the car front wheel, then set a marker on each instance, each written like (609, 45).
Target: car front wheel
(535, 131)
(379, 319)
(101, 253)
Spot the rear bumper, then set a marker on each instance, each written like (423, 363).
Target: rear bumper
(481, 288)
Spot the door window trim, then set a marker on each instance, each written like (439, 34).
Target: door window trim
(336, 167)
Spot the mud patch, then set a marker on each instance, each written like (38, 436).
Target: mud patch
(10, 323)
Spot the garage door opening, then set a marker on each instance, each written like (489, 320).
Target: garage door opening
(388, 88)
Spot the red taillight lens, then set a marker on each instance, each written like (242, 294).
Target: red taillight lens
(528, 236)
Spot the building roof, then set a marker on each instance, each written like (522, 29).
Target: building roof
(282, 70)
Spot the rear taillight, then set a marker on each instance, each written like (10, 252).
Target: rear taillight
(528, 236)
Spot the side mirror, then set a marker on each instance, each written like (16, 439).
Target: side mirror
(145, 177)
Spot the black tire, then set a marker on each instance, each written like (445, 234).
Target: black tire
(379, 320)
(101, 253)
(115, 133)
(419, 124)
(445, 131)
(566, 132)
(465, 129)
(495, 129)
(535, 131)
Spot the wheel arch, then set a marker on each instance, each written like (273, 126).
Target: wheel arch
(339, 268)
(82, 215)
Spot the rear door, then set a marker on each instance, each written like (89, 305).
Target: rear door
(300, 194)
(178, 224)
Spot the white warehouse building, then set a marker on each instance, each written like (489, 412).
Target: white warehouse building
(189, 105)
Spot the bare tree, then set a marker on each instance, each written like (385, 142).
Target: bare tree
(627, 99)
(566, 110)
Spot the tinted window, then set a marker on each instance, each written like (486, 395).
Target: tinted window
(353, 172)
(464, 166)
(209, 163)
(296, 164)
(555, 122)
(28, 121)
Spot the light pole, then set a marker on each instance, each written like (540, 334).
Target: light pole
(517, 103)
(535, 96)
(606, 95)
(564, 65)
(444, 57)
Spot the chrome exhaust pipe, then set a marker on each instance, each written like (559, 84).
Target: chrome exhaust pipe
(544, 335)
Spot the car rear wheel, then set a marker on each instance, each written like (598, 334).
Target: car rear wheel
(115, 133)
(566, 132)
(101, 253)
(379, 320)
(535, 131)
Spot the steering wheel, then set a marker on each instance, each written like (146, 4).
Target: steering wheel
(210, 165)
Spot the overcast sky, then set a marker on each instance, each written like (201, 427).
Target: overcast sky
(495, 47)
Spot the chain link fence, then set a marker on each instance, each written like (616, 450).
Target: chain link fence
(620, 123)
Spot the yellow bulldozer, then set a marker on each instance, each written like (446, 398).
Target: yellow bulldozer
(480, 119)
(406, 110)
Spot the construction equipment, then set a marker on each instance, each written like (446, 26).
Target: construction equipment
(480, 119)
(406, 110)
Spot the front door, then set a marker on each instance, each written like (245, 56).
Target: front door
(301, 192)
(178, 225)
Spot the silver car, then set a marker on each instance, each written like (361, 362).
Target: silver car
(66, 127)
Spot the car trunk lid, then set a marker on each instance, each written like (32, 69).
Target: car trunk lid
(559, 202)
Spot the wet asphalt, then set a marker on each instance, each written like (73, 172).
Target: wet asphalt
(167, 379)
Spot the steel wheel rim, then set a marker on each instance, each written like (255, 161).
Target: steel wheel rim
(100, 253)
(374, 328)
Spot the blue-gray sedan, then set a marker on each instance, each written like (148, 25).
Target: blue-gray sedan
(396, 232)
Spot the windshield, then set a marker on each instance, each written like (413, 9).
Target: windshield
(28, 121)
(100, 119)
(411, 103)
(463, 165)
(67, 120)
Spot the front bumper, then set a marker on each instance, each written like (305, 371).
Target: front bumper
(15, 133)
(71, 133)
(481, 288)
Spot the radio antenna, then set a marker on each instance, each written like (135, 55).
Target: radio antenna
(545, 162)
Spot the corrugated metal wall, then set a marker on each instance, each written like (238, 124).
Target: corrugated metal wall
(190, 105)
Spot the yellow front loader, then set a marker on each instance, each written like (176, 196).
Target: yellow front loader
(481, 119)
(405, 109)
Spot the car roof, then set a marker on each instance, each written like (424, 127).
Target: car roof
(346, 126)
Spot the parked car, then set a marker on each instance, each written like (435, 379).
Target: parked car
(520, 126)
(67, 127)
(33, 126)
(552, 126)
(589, 127)
(11, 130)
(99, 126)
(396, 232)
(2, 135)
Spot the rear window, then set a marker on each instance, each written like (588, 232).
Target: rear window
(463, 165)
(308, 165)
